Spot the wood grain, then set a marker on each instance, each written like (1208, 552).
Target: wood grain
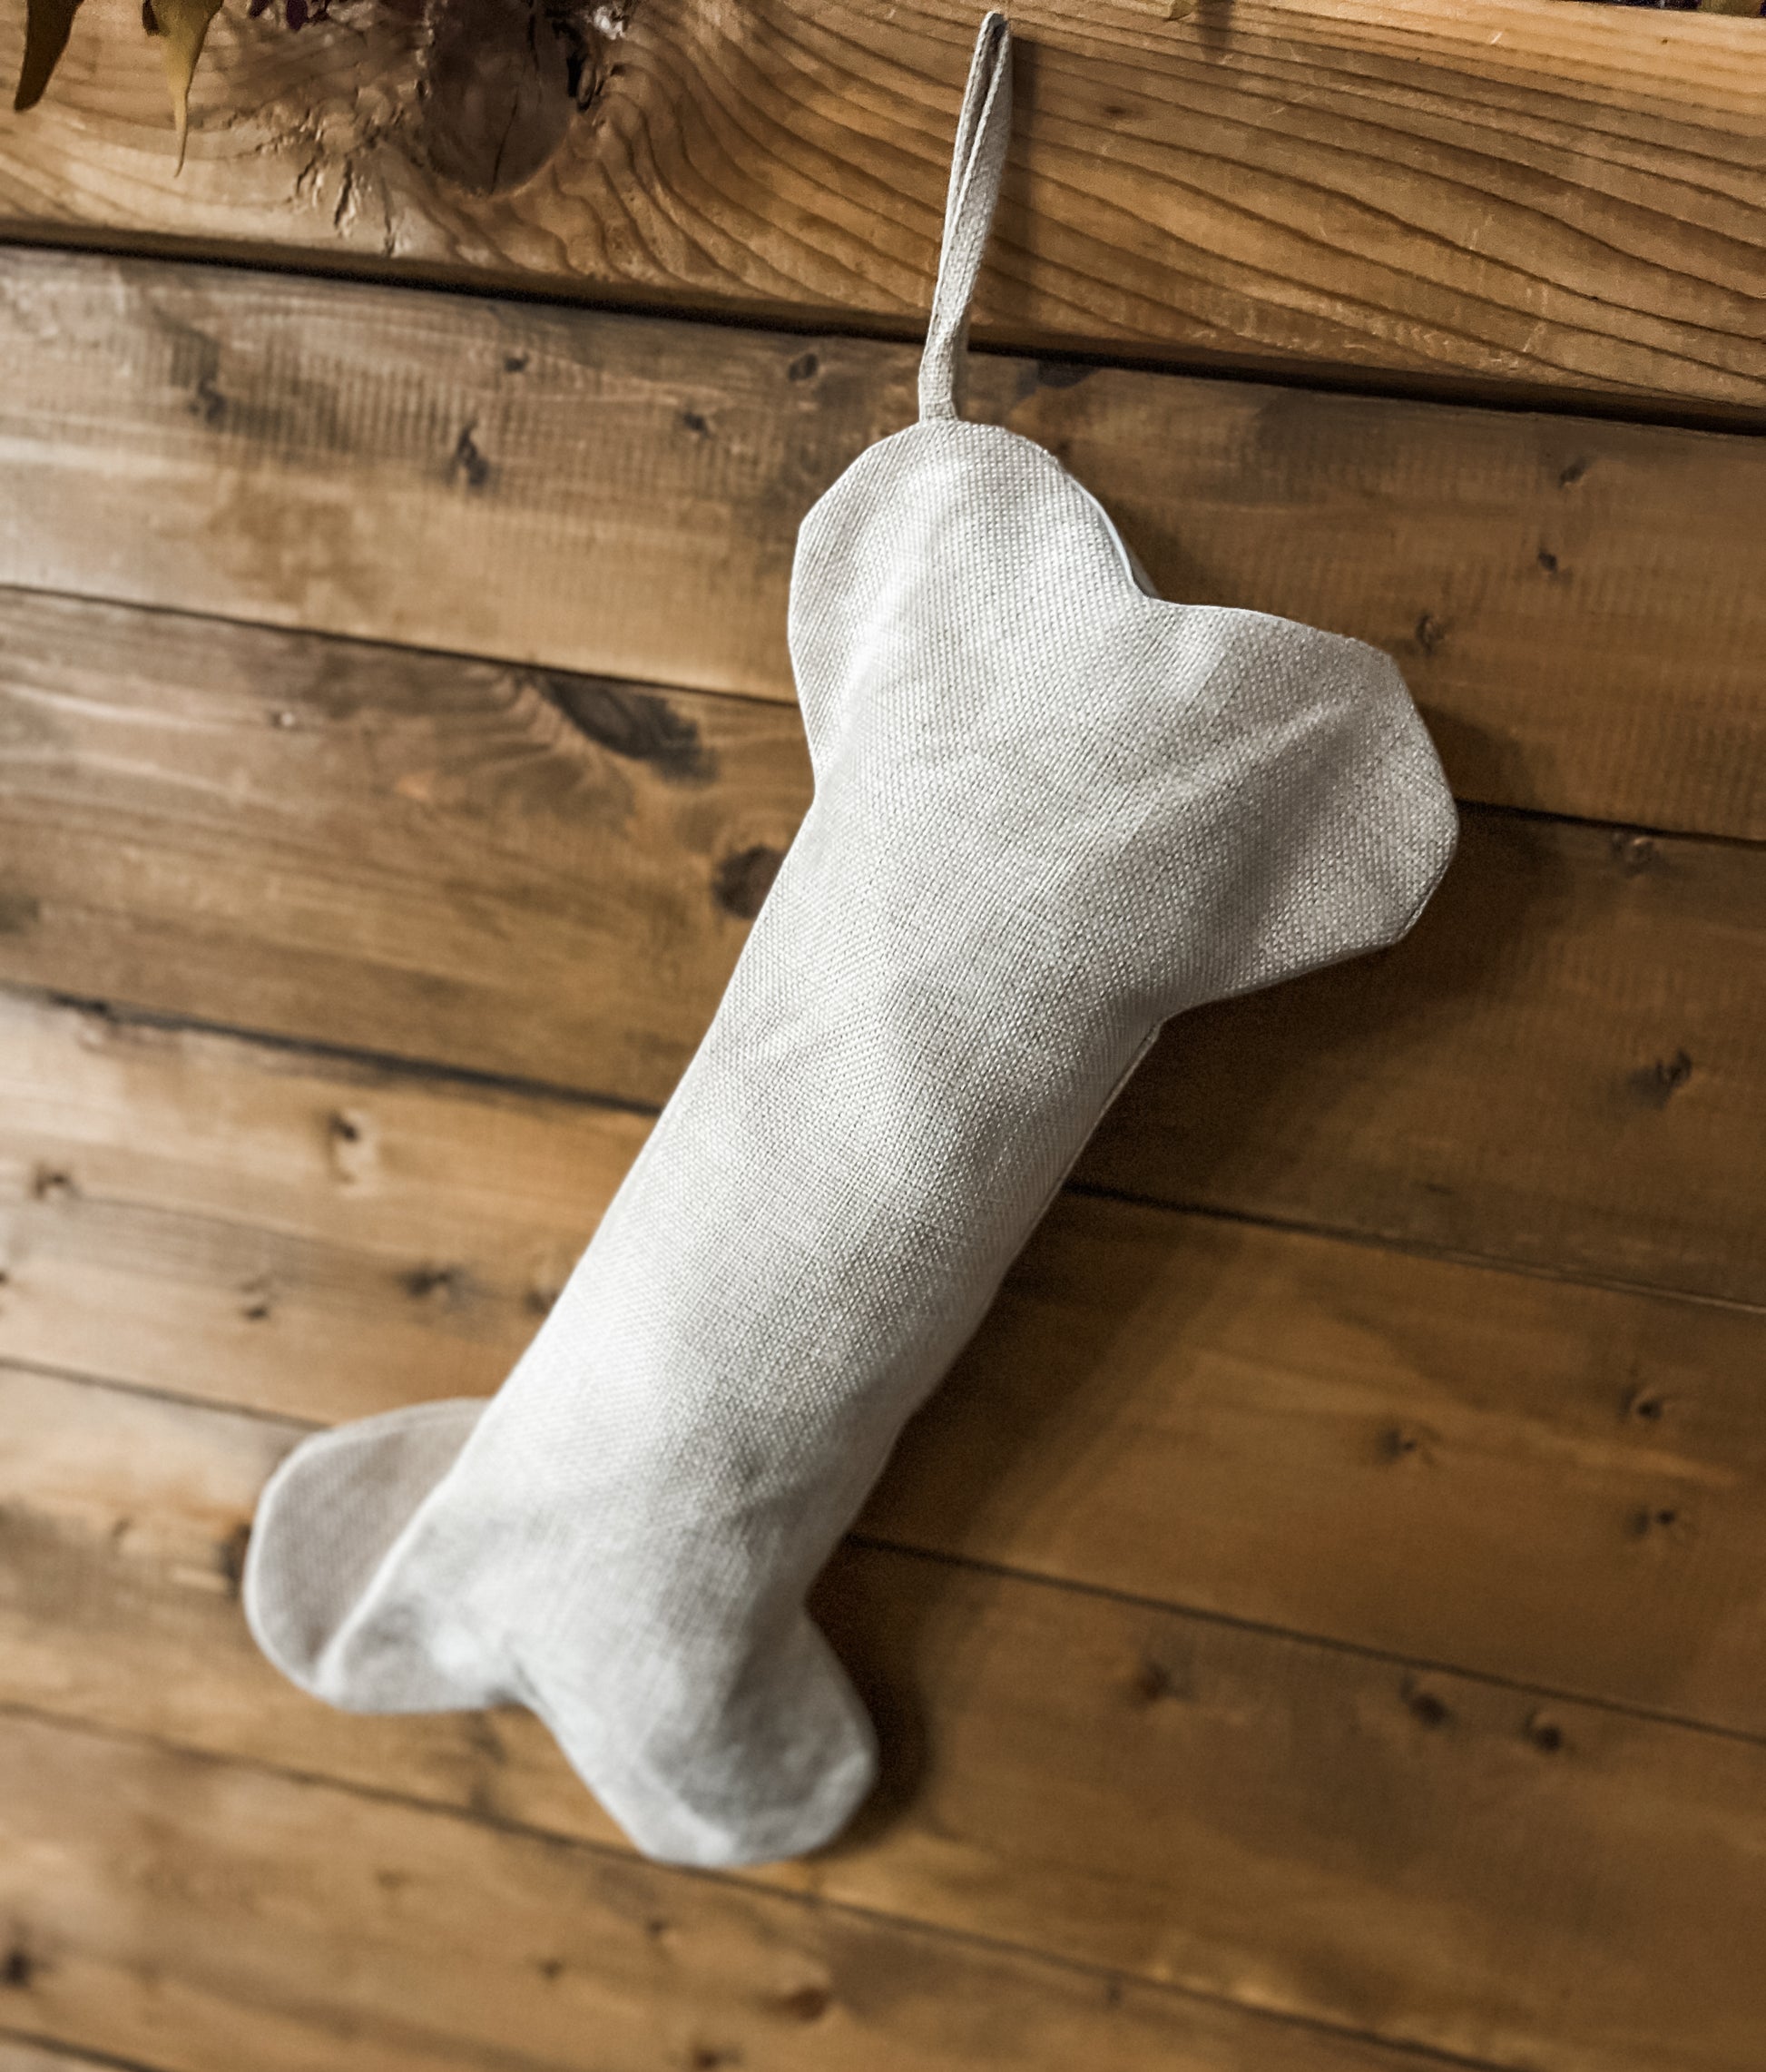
(621, 496)
(286, 1924)
(20, 2054)
(1556, 1068)
(404, 852)
(1531, 199)
(537, 876)
(261, 1226)
(1293, 1827)
(1560, 1486)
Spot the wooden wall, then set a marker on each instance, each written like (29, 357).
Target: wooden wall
(1321, 1625)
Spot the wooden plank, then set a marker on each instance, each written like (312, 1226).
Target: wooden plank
(1445, 1862)
(1561, 1068)
(1556, 1068)
(220, 1916)
(302, 1236)
(1560, 1486)
(1468, 191)
(21, 2054)
(1575, 603)
(399, 851)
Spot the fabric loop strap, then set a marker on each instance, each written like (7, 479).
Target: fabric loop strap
(983, 131)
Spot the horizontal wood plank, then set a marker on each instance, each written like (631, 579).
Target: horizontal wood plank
(1296, 1827)
(1561, 1485)
(1487, 192)
(22, 2054)
(1558, 1067)
(222, 1916)
(548, 878)
(399, 851)
(621, 496)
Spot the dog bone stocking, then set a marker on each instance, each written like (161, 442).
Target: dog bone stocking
(1050, 811)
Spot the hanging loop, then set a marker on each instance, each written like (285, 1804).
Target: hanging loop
(983, 131)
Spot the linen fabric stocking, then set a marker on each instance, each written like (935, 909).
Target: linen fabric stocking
(1050, 811)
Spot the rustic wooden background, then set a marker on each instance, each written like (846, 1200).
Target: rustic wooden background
(1321, 1627)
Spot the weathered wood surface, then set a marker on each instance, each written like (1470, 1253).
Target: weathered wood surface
(1557, 1485)
(1291, 1826)
(19, 2054)
(1552, 199)
(546, 878)
(286, 1925)
(621, 494)
(1559, 1067)
(400, 851)
(257, 1225)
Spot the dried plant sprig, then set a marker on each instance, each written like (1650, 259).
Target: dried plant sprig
(181, 26)
(297, 13)
(47, 24)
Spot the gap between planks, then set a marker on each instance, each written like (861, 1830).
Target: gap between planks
(1284, 1746)
(546, 878)
(1494, 195)
(1300, 377)
(20, 2052)
(1266, 2030)
(123, 1015)
(858, 1537)
(300, 446)
(1167, 1376)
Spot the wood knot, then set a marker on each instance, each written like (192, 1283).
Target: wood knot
(808, 2004)
(1546, 1734)
(468, 465)
(1655, 1519)
(742, 881)
(1656, 1085)
(1430, 632)
(804, 368)
(636, 725)
(1633, 853)
(349, 1143)
(1427, 1707)
(502, 81)
(52, 1183)
(1156, 1682)
(436, 1283)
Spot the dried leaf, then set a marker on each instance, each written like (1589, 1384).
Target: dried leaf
(180, 26)
(46, 25)
(297, 13)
